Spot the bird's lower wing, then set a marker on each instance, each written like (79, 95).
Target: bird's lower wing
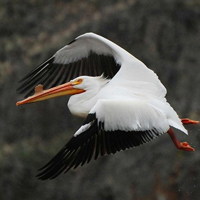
(110, 127)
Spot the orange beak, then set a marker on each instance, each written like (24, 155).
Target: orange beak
(40, 94)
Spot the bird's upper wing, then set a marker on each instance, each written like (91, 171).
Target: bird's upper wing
(111, 126)
(92, 55)
(88, 54)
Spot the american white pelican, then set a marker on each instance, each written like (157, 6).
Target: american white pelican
(123, 108)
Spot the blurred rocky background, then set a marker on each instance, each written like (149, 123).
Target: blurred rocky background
(165, 35)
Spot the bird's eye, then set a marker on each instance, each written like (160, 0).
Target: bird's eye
(79, 81)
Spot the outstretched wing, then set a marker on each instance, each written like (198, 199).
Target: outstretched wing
(88, 54)
(92, 55)
(110, 127)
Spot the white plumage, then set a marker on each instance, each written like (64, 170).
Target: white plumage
(122, 100)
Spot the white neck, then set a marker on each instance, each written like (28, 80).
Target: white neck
(81, 104)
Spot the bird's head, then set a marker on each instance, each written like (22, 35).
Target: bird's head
(89, 83)
(76, 86)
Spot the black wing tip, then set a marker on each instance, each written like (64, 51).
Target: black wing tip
(72, 42)
(47, 175)
(94, 142)
(43, 73)
(27, 85)
(50, 60)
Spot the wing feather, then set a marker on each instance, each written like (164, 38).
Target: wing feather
(95, 137)
(92, 55)
(88, 54)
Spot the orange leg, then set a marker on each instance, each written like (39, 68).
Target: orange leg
(184, 146)
(189, 121)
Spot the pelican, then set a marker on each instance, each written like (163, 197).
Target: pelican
(123, 102)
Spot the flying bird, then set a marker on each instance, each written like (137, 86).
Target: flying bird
(123, 102)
